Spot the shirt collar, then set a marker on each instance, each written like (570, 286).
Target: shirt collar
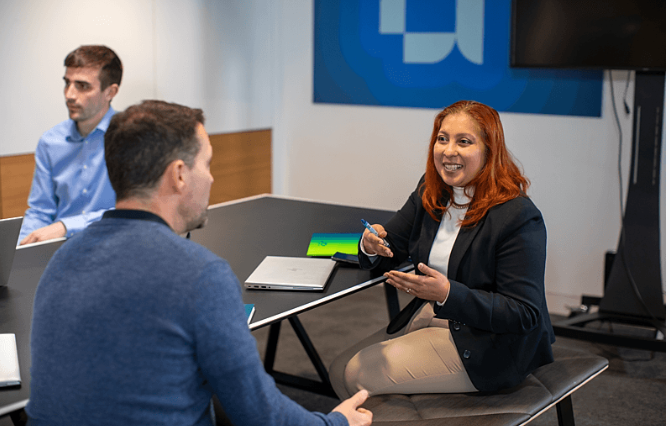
(74, 135)
(135, 215)
(463, 195)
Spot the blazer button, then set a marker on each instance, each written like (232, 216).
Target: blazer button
(466, 354)
(457, 327)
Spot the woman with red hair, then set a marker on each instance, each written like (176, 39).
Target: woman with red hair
(479, 321)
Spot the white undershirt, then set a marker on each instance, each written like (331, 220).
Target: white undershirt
(447, 233)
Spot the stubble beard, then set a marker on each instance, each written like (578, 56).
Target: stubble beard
(197, 223)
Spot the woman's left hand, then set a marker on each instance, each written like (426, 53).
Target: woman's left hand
(431, 286)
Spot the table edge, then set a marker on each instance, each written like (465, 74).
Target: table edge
(302, 308)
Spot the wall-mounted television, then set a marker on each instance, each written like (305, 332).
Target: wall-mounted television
(588, 34)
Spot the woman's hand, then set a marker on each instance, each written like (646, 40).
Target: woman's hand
(431, 286)
(375, 245)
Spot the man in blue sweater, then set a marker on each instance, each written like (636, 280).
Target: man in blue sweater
(134, 324)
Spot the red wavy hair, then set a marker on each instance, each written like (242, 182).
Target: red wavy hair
(500, 179)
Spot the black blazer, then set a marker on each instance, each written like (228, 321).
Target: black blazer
(496, 306)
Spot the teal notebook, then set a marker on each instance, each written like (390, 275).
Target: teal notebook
(329, 244)
(250, 310)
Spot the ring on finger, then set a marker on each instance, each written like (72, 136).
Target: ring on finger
(407, 290)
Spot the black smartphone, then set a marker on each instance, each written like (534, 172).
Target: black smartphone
(346, 258)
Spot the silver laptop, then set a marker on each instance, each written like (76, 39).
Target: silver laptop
(291, 273)
(10, 374)
(9, 236)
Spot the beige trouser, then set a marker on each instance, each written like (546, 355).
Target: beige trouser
(421, 358)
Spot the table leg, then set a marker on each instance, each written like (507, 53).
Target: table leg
(271, 347)
(19, 418)
(309, 348)
(322, 387)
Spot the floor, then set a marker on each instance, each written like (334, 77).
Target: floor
(632, 391)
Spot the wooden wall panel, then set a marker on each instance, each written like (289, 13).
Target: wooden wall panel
(241, 167)
(16, 176)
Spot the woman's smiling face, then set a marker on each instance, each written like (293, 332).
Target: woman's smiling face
(459, 151)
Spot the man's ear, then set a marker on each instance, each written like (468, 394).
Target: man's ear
(174, 176)
(111, 91)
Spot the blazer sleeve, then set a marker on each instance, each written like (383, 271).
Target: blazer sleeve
(499, 285)
(400, 229)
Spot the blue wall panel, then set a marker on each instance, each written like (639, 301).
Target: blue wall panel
(431, 53)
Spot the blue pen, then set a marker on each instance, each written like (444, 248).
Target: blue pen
(371, 229)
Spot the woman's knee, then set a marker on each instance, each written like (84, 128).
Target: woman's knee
(363, 370)
(374, 367)
(353, 372)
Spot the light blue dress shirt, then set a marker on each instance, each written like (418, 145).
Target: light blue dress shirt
(70, 184)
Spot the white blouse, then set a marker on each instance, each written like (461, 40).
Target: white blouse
(448, 231)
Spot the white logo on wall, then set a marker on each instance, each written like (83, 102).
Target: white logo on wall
(430, 48)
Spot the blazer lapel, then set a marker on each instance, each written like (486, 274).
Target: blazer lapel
(461, 245)
(428, 232)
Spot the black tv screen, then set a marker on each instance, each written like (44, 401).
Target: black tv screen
(588, 34)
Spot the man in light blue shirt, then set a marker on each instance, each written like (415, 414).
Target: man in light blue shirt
(70, 186)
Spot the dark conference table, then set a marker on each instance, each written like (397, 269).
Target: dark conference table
(243, 232)
(16, 308)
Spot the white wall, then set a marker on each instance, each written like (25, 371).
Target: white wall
(248, 64)
(202, 53)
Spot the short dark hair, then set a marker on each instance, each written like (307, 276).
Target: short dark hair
(143, 140)
(110, 65)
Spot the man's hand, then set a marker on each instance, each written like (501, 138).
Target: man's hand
(350, 408)
(55, 230)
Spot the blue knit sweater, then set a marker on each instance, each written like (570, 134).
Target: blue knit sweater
(133, 324)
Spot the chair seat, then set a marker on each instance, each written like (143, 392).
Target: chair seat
(542, 389)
